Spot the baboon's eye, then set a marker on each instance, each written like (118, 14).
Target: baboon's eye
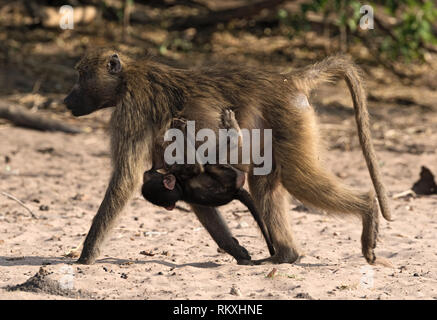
(114, 64)
(82, 76)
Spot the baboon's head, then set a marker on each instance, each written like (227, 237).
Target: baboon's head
(100, 83)
(161, 189)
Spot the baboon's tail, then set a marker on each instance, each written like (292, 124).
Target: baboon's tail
(333, 67)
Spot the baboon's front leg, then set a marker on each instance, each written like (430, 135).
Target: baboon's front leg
(126, 177)
(214, 223)
(116, 197)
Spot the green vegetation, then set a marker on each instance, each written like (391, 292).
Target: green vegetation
(403, 29)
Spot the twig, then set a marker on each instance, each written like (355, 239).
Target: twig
(403, 194)
(22, 117)
(74, 252)
(20, 203)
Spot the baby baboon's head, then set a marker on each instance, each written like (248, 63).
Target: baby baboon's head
(161, 189)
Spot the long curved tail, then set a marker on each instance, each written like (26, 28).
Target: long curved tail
(328, 70)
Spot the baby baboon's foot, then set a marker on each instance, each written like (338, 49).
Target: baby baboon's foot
(229, 121)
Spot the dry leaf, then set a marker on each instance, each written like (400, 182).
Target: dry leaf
(272, 273)
(426, 184)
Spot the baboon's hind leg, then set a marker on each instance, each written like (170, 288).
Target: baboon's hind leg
(303, 175)
(320, 190)
(370, 230)
(270, 198)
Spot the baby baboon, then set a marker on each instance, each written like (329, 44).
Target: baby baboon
(147, 95)
(206, 185)
(215, 186)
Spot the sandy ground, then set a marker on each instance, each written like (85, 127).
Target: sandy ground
(62, 178)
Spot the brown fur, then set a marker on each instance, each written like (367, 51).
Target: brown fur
(147, 95)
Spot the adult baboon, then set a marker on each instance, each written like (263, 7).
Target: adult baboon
(147, 95)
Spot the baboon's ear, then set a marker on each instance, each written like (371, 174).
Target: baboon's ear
(169, 181)
(114, 64)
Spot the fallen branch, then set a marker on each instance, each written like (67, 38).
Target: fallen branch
(168, 4)
(22, 117)
(7, 195)
(215, 17)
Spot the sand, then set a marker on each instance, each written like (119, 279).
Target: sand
(157, 254)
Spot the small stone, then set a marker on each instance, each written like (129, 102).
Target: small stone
(78, 197)
(242, 225)
(304, 295)
(44, 208)
(147, 253)
(235, 291)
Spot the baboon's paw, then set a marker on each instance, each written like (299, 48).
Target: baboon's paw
(369, 255)
(277, 259)
(243, 254)
(244, 262)
(238, 251)
(86, 260)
